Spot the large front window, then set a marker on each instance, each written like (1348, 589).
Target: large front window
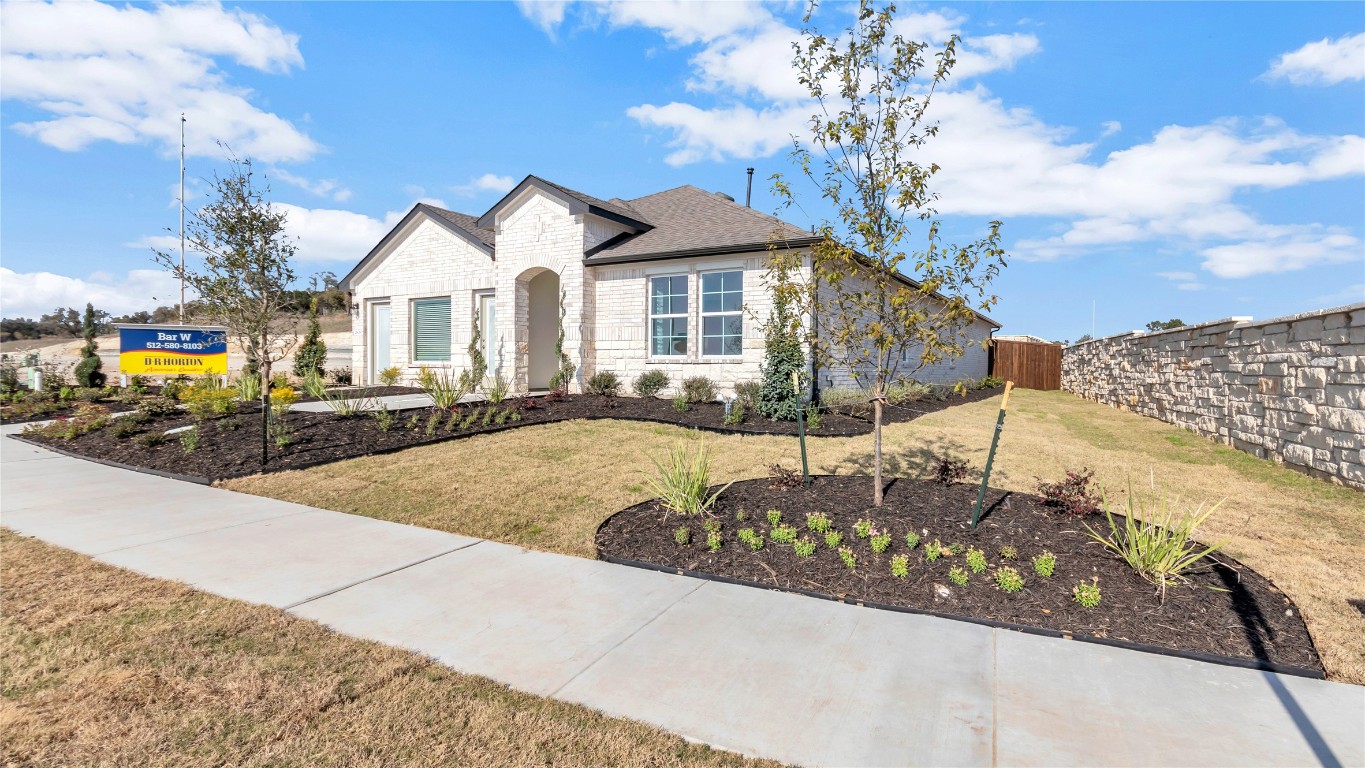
(668, 316)
(722, 317)
(431, 330)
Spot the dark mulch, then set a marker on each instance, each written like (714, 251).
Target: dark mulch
(1251, 620)
(361, 392)
(230, 446)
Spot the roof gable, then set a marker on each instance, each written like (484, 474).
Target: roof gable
(461, 225)
(577, 203)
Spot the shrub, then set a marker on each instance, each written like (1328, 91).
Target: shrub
(850, 559)
(604, 383)
(282, 399)
(189, 440)
(783, 477)
(804, 548)
(1088, 595)
(900, 566)
(774, 516)
(783, 534)
(683, 535)
(933, 551)
(817, 522)
(907, 392)
(747, 395)
(880, 541)
(912, 540)
(312, 353)
(153, 407)
(1045, 564)
(1160, 546)
(683, 479)
(152, 439)
(958, 575)
(699, 389)
(976, 560)
(850, 401)
(862, 529)
(734, 413)
(650, 383)
(813, 420)
(680, 403)
(1072, 495)
(206, 402)
(389, 376)
(713, 541)
(782, 356)
(951, 471)
(445, 389)
(751, 539)
(833, 539)
(990, 382)
(89, 371)
(1008, 579)
(123, 428)
(341, 376)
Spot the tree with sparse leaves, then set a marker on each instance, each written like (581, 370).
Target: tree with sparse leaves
(882, 313)
(243, 283)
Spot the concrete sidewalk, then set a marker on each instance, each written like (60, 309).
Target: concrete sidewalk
(764, 673)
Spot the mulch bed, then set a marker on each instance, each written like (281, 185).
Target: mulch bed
(1250, 619)
(230, 446)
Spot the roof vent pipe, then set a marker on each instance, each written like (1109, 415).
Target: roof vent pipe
(749, 191)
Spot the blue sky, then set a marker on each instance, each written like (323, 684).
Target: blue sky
(1177, 159)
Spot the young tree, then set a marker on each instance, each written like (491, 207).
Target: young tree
(243, 284)
(472, 379)
(782, 352)
(312, 354)
(88, 370)
(872, 89)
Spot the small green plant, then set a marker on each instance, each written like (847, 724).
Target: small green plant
(496, 388)
(741, 515)
(433, 421)
(123, 428)
(711, 525)
(850, 559)
(990, 382)
(445, 388)
(604, 383)
(734, 415)
(812, 420)
(389, 376)
(487, 416)
(976, 560)
(699, 389)
(862, 529)
(1008, 579)
(650, 383)
(1088, 595)
(1008, 552)
(804, 548)
(189, 440)
(955, 549)
(900, 566)
(1045, 564)
(501, 418)
(1160, 545)
(469, 417)
(683, 535)
(152, 439)
(751, 539)
(879, 541)
(774, 516)
(911, 540)
(683, 479)
(412, 422)
(452, 421)
(833, 539)
(958, 575)
(713, 541)
(783, 534)
(817, 522)
(680, 404)
(933, 551)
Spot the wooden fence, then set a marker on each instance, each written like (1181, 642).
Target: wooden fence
(1029, 364)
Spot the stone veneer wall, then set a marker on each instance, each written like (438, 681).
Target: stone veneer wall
(1290, 389)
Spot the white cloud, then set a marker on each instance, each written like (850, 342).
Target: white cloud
(1109, 128)
(1184, 281)
(715, 134)
(1325, 62)
(31, 294)
(1294, 248)
(322, 187)
(684, 22)
(489, 182)
(103, 73)
(546, 14)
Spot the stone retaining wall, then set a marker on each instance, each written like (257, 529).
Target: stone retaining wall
(1290, 389)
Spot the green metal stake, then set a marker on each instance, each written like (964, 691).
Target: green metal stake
(990, 457)
(801, 428)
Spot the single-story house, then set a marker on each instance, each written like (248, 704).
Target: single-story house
(672, 280)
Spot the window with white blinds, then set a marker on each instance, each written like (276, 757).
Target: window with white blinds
(431, 330)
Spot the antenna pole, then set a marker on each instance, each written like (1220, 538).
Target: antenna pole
(749, 190)
(182, 218)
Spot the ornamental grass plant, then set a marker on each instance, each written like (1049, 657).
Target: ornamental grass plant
(1155, 539)
(682, 479)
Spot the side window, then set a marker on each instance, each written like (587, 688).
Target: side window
(431, 330)
(722, 317)
(668, 316)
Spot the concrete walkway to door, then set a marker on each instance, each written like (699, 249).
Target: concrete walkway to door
(764, 673)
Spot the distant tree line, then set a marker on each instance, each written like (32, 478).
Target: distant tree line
(67, 322)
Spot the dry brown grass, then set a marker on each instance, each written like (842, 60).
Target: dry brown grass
(102, 666)
(549, 487)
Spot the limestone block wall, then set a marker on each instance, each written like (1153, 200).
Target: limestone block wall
(1291, 389)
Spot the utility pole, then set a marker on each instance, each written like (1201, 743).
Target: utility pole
(182, 218)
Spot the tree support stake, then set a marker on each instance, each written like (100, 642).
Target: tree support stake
(990, 457)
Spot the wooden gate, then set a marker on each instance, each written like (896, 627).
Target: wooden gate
(1029, 364)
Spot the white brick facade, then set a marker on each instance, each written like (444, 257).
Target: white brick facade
(607, 322)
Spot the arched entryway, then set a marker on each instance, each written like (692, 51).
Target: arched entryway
(537, 327)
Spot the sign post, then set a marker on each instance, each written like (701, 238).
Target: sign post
(990, 457)
(172, 350)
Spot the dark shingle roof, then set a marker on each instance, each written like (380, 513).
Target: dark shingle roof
(688, 220)
(615, 205)
(465, 222)
(577, 202)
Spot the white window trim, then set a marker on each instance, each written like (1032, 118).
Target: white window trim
(650, 317)
(413, 362)
(702, 315)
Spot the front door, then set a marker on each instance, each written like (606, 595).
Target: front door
(380, 340)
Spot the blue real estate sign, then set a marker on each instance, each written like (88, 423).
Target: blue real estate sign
(172, 350)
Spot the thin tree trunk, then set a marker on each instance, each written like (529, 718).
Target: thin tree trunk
(877, 447)
(264, 371)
